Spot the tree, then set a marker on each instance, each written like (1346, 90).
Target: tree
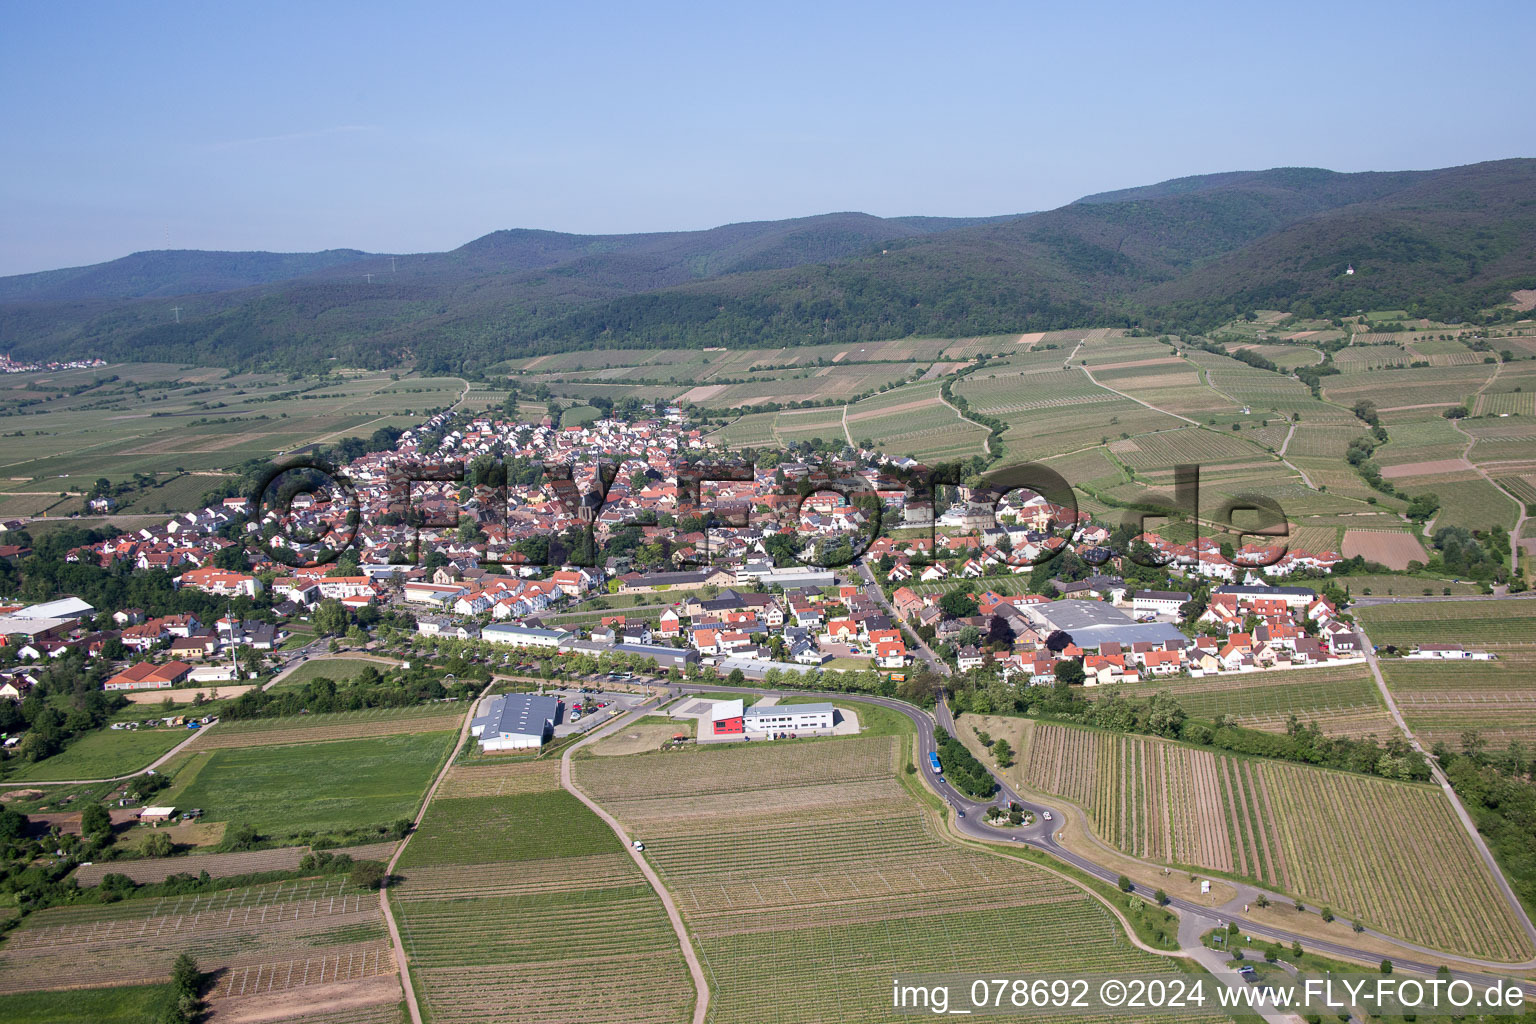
(1386, 967)
(1125, 884)
(1327, 914)
(330, 618)
(95, 821)
(957, 604)
(1423, 507)
(1003, 752)
(1262, 901)
(736, 678)
(368, 874)
(158, 845)
(1161, 897)
(240, 837)
(1069, 673)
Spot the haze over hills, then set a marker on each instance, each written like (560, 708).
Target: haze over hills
(1179, 254)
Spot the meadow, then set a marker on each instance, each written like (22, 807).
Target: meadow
(103, 754)
(317, 787)
(120, 1004)
(1391, 854)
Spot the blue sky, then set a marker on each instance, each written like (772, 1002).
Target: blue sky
(395, 128)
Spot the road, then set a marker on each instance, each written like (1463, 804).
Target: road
(925, 652)
(967, 819)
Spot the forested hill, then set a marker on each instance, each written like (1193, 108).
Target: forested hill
(1180, 254)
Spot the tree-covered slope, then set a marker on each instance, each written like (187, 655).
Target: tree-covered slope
(1183, 253)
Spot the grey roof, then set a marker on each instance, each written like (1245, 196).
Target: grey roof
(1091, 637)
(1256, 591)
(517, 714)
(660, 653)
(504, 629)
(773, 710)
(1075, 615)
(1161, 595)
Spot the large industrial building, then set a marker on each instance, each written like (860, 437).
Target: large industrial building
(524, 636)
(795, 718)
(731, 718)
(514, 721)
(1091, 624)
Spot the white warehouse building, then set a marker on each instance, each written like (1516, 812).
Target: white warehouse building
(524, 636)
(789, 718)
(514, 721)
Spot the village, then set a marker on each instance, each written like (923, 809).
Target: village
(692, 597)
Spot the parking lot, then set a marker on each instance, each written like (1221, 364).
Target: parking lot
(571, 696)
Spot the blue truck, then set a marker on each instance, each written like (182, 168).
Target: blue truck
(933, 762)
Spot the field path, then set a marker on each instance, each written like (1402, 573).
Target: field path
(700, 983)
(846, 432)
(1466, 454)
(1148, 405)
(986, 442)
(192, 734)
(401, 962)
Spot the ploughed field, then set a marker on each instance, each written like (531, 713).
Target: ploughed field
(808, 876)
(1390, 854)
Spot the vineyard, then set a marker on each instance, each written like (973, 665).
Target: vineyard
(290, 933)
(504, 896)
(1494, 625)
(1343, 701)
(1390, 853)
(1442, 701)
(842, 887)
(500, 779)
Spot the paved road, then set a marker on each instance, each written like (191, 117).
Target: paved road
(968, 820)
(1366, 602)
(925, 652)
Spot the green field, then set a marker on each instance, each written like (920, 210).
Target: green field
(103, 754)
(469, 830)
(123, 1004)
(318, 787)
(338, 670)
